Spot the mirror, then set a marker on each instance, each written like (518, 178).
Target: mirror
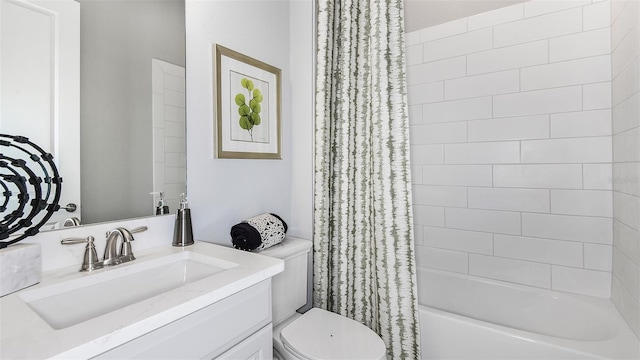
(118, 40)
(132, 108)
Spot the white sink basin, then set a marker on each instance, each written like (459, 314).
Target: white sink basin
(75, 301)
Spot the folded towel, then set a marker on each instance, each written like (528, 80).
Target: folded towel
(259, 232)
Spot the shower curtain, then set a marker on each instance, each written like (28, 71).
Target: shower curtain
(364, 266)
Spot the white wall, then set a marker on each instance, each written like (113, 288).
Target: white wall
(511, 145)
(302, 29)
(625, 42)
(225, 191)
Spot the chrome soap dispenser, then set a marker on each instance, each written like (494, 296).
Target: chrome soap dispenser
(161, 208)
(182, 231)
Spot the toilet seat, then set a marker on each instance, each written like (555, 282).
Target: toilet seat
(321, 335)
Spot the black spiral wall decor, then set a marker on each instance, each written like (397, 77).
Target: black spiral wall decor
(30, 177)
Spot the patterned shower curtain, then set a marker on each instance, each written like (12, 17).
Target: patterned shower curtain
(364, 266)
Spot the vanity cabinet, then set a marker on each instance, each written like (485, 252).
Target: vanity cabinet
(236, 327)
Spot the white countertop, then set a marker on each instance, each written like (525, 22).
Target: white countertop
(24, 335)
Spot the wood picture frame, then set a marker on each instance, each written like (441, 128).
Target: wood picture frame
(248, 107)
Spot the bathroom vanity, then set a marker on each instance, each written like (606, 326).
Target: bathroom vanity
(201, 301)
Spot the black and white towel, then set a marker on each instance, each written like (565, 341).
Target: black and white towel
(259, 232)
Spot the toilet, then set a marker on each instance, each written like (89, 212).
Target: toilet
(317, 334)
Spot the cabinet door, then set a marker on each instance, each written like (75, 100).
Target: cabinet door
(206, 333)
(258, 346)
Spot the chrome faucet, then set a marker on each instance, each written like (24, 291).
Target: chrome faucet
(111, 255)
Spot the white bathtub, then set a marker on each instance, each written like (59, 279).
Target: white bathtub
(465, 317)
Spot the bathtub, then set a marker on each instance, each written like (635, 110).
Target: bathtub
(466, 317)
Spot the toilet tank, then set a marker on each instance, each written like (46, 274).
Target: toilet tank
(289, 288)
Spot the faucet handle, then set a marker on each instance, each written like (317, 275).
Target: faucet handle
(132, 231)
(139, 229)
(91, 260)
(74, 241)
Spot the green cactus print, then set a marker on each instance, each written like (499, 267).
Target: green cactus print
(249, 113)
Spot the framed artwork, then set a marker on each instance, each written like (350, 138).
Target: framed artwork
(247, 102)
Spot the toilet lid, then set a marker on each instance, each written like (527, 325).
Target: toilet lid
(320, 334)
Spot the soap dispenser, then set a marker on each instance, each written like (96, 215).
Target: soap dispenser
(182, 231)
(161, 208)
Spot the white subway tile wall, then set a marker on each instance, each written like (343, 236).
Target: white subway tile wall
(528, 200)
(500, 222)
(566, 227)
(593, 258)
(516, 128)
(570, 151)
(457, 45)
(461, 240)
(539, 176)
(582, 202)
(546, 101)
(539, 27)
(452, 196)
(565, 73)
(596, 96)
(448, 260)
(581, 124)
(625, 80)
(511, 134)
(597, 176)
(441, 133)
(511, 57)
(523, 272)
(503, 82)
(583, 281)
(575, 46)
(568, 253)
(436, 70)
